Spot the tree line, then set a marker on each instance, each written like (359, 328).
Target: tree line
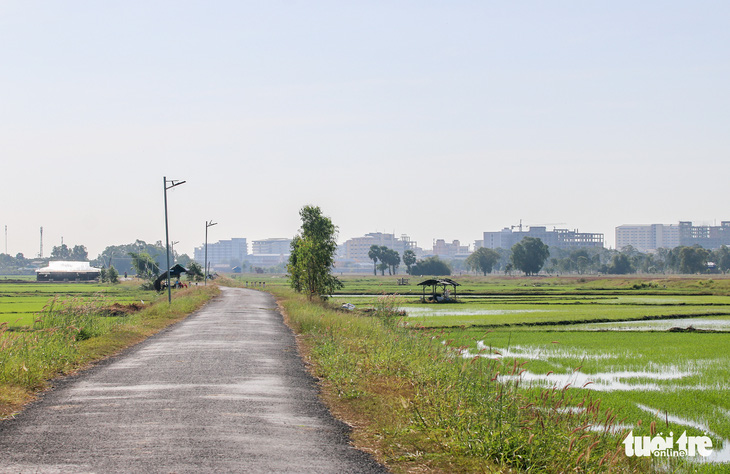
(531, 256)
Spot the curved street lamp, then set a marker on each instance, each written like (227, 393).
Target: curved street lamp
(173, 183)
(207, 224)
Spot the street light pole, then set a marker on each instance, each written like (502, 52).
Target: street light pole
(207, 224)
(173, 183)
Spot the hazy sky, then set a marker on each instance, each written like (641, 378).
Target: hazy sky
(428, 118)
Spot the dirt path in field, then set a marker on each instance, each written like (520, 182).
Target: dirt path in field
(222, 391)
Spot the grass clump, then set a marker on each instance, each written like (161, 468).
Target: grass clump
(422, 405)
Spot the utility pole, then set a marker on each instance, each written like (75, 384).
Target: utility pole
(207, 224)
(173, 183)
(40, 255)
(6, 239)
(172, 250)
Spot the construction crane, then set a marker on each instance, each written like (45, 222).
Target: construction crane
(537, 225)
(554, 224)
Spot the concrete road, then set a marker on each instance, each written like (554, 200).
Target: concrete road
(222, 391)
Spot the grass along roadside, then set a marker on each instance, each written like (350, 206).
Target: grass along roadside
(68, 336)
(417, 405)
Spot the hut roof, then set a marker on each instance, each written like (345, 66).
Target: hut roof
(439, 281)
(175, 271)
(68, 267)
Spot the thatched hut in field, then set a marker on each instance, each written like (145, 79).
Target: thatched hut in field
(444, 283)
(68, 271)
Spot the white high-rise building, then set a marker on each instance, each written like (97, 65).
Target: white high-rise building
(271, 247)
(224, 252)
(647, 237)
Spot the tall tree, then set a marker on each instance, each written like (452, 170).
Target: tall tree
(529, 255)
(409, 258)
(374, 255)
(145, 266)
(313, 255)
(621, 265)
(195, 271)
(693, 259)
(61, 252)
(722, 258)
(482, 260)
(79, 253)
(431, 266)
(391, 259)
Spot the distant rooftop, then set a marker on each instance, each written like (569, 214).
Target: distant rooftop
(66, 266)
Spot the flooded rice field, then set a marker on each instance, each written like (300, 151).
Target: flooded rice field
(703, 323)
(415, 311)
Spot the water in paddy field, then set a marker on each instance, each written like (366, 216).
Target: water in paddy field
(708, 324)
(719, 454)
(609, 381)
(420, 311)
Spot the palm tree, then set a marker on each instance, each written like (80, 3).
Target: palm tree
(374, 255)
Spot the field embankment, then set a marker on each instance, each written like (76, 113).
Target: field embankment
(70, 333)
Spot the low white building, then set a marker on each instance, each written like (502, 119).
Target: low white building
(67, 271)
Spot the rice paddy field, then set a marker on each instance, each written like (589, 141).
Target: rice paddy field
(21, 301)
(655, 351)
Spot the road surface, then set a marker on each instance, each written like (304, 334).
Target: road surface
(222, 391)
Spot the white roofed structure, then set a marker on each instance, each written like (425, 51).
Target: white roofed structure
(64, 270)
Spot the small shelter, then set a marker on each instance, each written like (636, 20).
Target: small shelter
(175, 272)
(67, 271)
(446, 296)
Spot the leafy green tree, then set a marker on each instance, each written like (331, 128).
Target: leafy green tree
(722, 258)
(582, 262)
(384, 257)
(195, 271)
(118, 255)
(76, 254)
(482, 260)
(389, 259)
(313, 255)
(431, 266)
(79, 254)
(693, 259)
(145, 266)
(393, 260)
(409, 258)
(529, 255)
(621, 265)
(61, 252)
(183, 260)
(112, 275)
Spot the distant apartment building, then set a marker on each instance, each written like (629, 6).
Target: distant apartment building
(268, 253)
(357, 248)
(449, 250)
(271, 247)
(560, 238)
(223, 253)
(647, 237)
(709, 237)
